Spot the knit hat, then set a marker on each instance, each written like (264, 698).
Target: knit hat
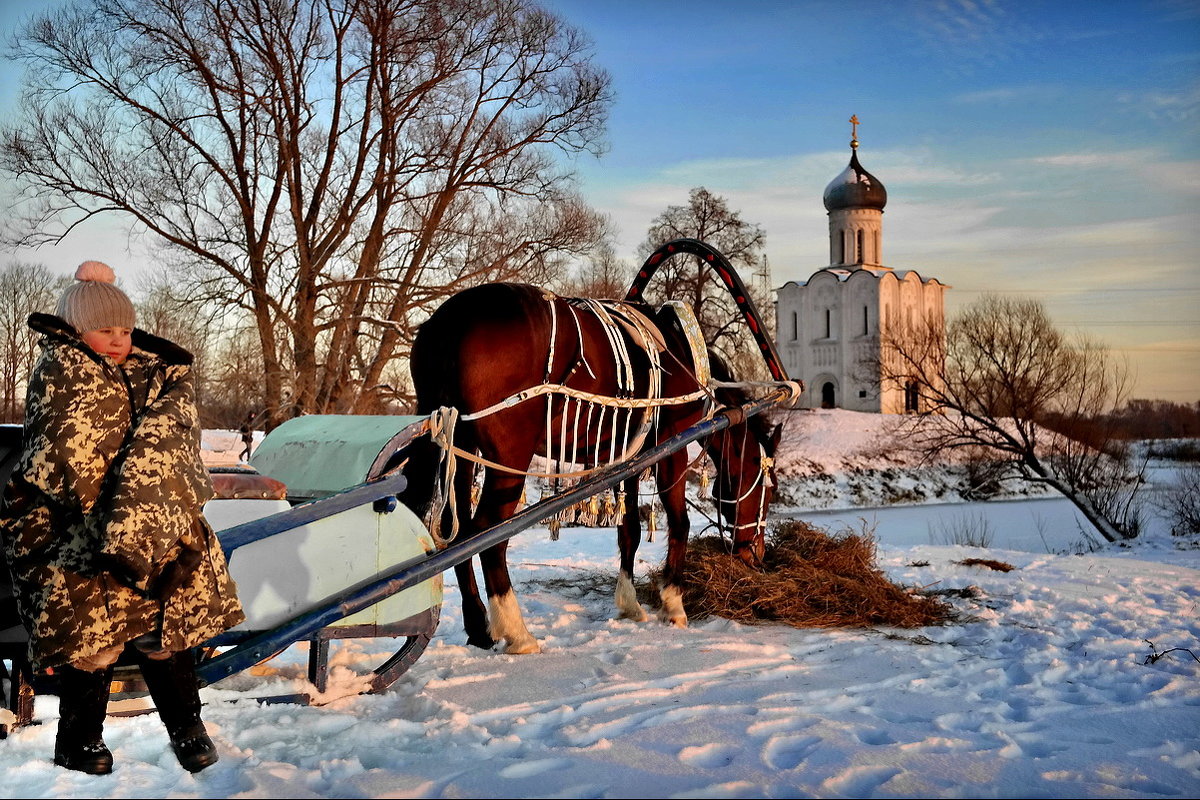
(94, 301)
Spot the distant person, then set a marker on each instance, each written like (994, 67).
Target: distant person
(102, 525)
(247, 431)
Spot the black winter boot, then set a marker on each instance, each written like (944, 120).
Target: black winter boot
(83, 704)
(176, 693)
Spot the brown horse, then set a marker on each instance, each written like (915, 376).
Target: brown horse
(486, 345)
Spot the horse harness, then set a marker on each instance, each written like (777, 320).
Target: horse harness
(624, 326)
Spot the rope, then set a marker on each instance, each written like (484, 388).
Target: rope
(442, 422)
(795, 388)
(602, 400)
(478, 459)
(765, 463)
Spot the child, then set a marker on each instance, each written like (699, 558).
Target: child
(102, 523)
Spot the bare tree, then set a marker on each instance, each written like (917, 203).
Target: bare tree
(331, 168)
(24, 289)
(1002, 377)
(1179, 502)
(163, 312)
(602, 275)
(233, 379)
(707, 217)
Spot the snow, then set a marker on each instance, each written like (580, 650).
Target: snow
(1076, 675)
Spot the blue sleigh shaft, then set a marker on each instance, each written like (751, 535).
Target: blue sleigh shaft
(260, 646)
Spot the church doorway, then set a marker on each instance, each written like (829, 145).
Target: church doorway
(827, 395)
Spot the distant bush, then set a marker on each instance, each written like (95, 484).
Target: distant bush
(967, 530)
(1180, 504)
(1175, 449)
(984, 474)
(1156, 419)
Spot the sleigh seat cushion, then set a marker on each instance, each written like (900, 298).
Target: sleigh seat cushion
(245, 484)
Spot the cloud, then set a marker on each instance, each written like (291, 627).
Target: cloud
(1150, 167)
(1009, 95)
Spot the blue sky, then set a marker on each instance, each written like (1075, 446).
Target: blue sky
(1044, 148)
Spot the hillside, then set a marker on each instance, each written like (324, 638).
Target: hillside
(833, 458)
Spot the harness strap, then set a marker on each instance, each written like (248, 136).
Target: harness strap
(602, 400)
(553, 339)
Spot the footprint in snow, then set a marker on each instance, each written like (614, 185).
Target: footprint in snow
(788, 752)
(876, 737)
(613, 657)
(710, 756)
(527, 769)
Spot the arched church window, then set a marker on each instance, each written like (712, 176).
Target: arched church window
(861, 256)
(866, 322)
(912, 398)
(795, 327)
(828, 323)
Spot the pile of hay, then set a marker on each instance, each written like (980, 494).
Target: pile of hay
(811, 579)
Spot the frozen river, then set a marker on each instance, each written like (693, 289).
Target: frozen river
(1047, 525)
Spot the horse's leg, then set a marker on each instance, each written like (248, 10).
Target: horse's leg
(498, 501)
(474, 613)
(671, 485)
(629, 534)
(473, 610)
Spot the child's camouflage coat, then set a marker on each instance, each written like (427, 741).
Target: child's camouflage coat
(106, 496)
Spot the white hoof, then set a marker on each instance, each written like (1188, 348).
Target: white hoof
(505, 622)
(672, 611)
(628, 606)
(521, 648)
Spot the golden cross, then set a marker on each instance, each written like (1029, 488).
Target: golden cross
(854, 126)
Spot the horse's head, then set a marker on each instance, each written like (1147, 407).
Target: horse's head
(744, 455)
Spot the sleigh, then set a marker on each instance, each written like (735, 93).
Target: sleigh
(322, 550)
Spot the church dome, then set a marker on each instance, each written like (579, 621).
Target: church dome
(855, 188)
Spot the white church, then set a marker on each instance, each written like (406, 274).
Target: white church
(828, 327)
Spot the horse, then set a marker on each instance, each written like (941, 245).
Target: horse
(573, 380)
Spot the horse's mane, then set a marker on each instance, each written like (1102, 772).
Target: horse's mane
(760, 425)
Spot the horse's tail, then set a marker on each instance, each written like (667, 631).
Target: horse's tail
(433, 362)
(421, 471)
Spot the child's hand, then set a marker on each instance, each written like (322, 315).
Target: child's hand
(174, 574)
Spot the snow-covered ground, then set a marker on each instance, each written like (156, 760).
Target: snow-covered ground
(1077, 675)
